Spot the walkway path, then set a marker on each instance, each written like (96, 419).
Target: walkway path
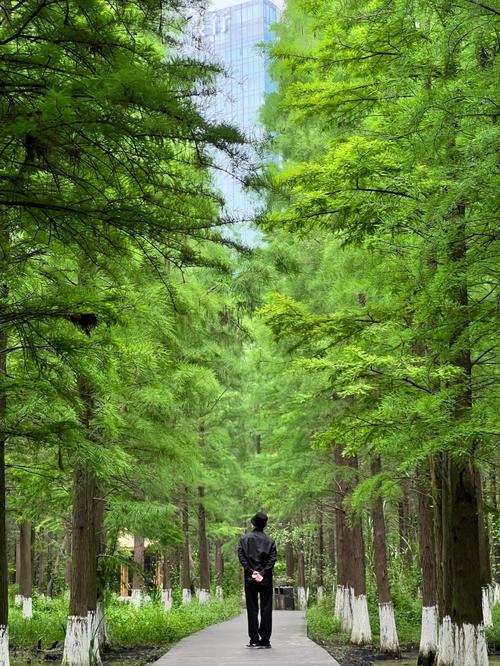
(224, 645)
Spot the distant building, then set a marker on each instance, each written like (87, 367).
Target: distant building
(231, 37)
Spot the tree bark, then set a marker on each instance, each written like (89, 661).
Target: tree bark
(343, 609)
(289, 560)
(138, 574)
(167, 581)
(203, 547)
(389, 643)
(484, 555)
(427, 558)
(42, 562)
(461, 632)
(26, 572)
(186, 567)
(219, 570)
(320, 555)
(301, 574)
(4, 572)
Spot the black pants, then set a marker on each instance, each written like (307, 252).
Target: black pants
(259, 633)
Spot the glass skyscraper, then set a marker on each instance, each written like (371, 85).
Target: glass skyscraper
(231, 38)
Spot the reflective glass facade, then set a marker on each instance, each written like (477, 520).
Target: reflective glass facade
(231, 37)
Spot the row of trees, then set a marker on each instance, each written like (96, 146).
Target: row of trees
(380, 383)
(119, 320)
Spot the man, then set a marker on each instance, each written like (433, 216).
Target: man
(257, 554)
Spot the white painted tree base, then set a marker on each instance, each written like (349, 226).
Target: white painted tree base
(27, 603)
(461, 645)
(343, 608)
(166, 597)
(428, 636)
(204, 596)
(389, 642)
(496, 594)
(302, 598)
(219, 594)
(4, 645)
(186, 596)
(136, 597)
(487, 596)
(319, 592)
(361, 633)
(102, 630)
(79, 647)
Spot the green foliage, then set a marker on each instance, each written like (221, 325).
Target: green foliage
(127, 625)
(493, 633)
(321, 623)
(152, 625)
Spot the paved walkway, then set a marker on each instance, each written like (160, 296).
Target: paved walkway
(224, 645)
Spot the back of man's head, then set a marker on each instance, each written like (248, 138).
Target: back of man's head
(259, 520)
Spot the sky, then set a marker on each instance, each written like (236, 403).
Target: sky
(220, 4)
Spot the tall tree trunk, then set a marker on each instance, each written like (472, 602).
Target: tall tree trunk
(167, 581)
(18, 597)
(100, 546)
(389, 643)
(461, 635)
(301, 574)
(219, 570)
(330, 542)
(484, 555)
(427, 555)
(203, 548)
(26, 572)
(320, 555)
(81, 644)
(42, 562)
(4, 572)
(186, 566)
(343, 608)
(138, 572)
(68, 545)
(354, 552)
(289, 560)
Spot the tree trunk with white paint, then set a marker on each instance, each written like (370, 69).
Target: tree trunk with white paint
(427, 558)
(4, 572)
(100, 546)
(186, 559)
(389, 642)
(301, 573)
(484, 555)
(204, 596)
(361, 632)
(81, 646)
(219, 571)
(320, 555)
(166, 595)
(343, 608)
(26, 573)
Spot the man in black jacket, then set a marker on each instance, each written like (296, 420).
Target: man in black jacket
(257, 554)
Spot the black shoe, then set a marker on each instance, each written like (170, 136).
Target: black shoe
(265, 646)
(251, 644)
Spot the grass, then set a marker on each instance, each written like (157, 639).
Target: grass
(322, 626)
(321, 623)
(128, 626)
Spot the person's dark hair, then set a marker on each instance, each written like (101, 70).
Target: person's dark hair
(259, 520)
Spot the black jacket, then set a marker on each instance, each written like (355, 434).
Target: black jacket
(257, 552)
